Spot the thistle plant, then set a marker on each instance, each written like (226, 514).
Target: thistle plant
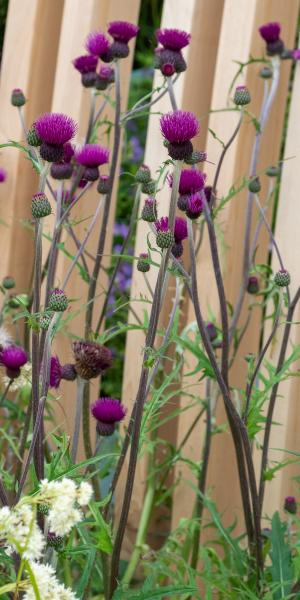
(61, 536)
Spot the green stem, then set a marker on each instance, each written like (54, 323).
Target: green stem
(80, 391)
(142, 532)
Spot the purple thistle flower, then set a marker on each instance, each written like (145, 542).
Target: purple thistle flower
(55, 372)
(180, 229)
(55, 128)
(86, 64)
(211, 331)
(122, 31)
(191, 181)
(195, 206)
(92, 155)
(296, 54)
(97, 43)
(68, 152)
(107, 411)
(13, 358)
(173, 39)
(179, 126)
(144, 255)
(208, 191)
(270, 32)
(107, 73)
(3, 175)
(162, 224)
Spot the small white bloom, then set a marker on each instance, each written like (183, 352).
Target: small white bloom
(61, 520)
(84, 493)
(19, 529)
(49, 587)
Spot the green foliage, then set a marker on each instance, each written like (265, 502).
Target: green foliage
(280, 553)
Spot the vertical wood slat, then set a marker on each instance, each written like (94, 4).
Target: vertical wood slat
(235, 44)
(285, 435)
(73, 99)
(32, 28)
(193, 92)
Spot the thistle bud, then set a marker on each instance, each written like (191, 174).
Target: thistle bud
(282, 278)
(104, 184)
(196, 157)
(273, 171)
(17, 98)
(266, 73)
(40, 206)
(254, 185)
(143, 264)
(149, 187)
(8, 282)
(242, 96)
(290, 505)
(253, 285)
(143, 174)
(149, 211)
(58, 301)
(32, 137)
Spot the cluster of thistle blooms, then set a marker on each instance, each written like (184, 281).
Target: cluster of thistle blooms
(61, 502)
(270, 32)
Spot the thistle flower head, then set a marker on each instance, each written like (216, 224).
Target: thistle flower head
(86, 63)
(91, 359)
(3, 175)
(97, 43)
(144, 255)
(13, 358)
(179, 126)
(270, 32)
(55, 372)
(208, 191)
(55, 128)
(162, 224)
(190, 181)
(92, 155)
(108, 410)
(180, 229)
(290, 504)
(68, 152)
(173, 39)
(194, 206)
(122, 31)
(296, 54)
(106, 73)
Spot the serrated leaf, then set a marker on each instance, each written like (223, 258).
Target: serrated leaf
(280, 553)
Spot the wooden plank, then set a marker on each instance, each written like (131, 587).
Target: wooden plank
(25, 55)
(73, 99)
(286, 435)
(235, 44)
(202, 19)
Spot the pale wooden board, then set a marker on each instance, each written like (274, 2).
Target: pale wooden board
(73, 99)
(25, 55)
(202, 19)
(236, 43)
(285, 435)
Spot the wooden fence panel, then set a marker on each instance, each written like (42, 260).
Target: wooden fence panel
(76, 25)
(202, 19)
(32, 28)
(285, 435)
(235, 44)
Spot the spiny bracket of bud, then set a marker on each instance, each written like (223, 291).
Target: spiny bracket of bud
(8, 282)
(196, 157)
(58, 301)
(32, 137)
(40, 206)
(242, 96)
(45, 320)
(282, 278)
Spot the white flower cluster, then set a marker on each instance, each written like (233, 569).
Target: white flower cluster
(47, 584)
(62, 498)
(18, 527)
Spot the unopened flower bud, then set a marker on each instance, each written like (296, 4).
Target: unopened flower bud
(290, 505)
(40, 206)
(142, 263)
(58, 301)
(266, 73)
(8, 282)
(17, 98)
(33, 138)
(149, 211)
(149, 187)
(104, 184)
(273, 171)
(143, 174)
(253, 285)
(196, 157)
(254, 185)
(282, 278)
(242, 96)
